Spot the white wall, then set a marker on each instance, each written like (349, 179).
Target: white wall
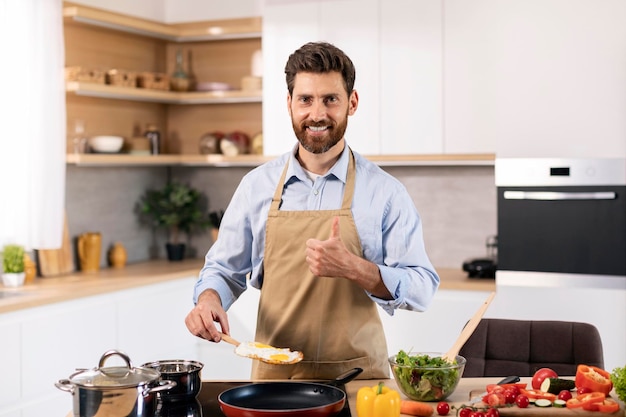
(146, 9)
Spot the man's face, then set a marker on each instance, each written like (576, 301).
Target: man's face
(319, 107)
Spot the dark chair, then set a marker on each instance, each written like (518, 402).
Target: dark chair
(500, 347)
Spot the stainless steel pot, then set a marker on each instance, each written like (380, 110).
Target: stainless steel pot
(114, 391)
(186, 374)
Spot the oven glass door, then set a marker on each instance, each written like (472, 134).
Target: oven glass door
(562, 229)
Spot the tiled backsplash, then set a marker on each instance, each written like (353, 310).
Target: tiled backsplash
(457, 204)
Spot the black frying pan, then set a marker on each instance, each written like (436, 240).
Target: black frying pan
(272, 399)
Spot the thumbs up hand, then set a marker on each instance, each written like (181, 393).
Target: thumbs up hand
(328, 258)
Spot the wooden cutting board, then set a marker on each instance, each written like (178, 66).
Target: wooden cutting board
(532, 411)
(52, 262)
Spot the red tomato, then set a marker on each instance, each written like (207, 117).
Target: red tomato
(477, 414)
(514, 389)
(582, 390)
(495, 399)
(509, 397)
(522, 401)
(542, 374)
(564, 395)
(492, 412)
(443, 408)
(465, 412)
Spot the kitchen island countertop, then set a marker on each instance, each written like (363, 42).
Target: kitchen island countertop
(76, 285)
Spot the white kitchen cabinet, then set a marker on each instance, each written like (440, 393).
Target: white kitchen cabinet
(10, 358)
(411, 106)
(469, 73)
(151, 322)
(285, 30)
(560, 78)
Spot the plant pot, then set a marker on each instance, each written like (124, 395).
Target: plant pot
(13, 279)
(175, 251)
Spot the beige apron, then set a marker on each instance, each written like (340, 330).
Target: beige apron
(331, 320)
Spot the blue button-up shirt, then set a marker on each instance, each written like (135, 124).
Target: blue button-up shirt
(386, 219)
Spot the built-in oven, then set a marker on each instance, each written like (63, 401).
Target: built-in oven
(562, 216)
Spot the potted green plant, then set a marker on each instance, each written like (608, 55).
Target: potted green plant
(13, 265)
(178, 208)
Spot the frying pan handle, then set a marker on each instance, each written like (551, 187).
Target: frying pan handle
(346, 377)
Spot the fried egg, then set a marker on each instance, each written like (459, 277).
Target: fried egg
(268, 354)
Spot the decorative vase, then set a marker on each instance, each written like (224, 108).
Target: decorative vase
(30, 269)
(89, 245)
(13, 279)
(118, 255)
(175, 251)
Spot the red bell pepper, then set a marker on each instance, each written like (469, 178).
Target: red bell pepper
(593, 378)
(585, 401)
(608, 406)
(538, 395)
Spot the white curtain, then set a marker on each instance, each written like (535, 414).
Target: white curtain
(32, 116)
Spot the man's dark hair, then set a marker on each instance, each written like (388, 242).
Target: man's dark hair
(320, 57)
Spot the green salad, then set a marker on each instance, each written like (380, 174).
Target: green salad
(434, 382)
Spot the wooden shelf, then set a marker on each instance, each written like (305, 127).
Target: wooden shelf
(104, 160)
(243, 28)
(161, 96)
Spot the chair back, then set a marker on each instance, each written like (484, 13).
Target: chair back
(502, 347)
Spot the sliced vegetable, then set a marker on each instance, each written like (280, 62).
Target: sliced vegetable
(593, 378)
(608, 406)
(416, 408)
(542, 402)
(379, 401)
(559, 403)
(538, 395)
(582, 399)
(542, 374)
(556, 385)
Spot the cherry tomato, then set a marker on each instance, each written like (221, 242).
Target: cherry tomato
(492, 412)
(564, 395)
(443, 408)
(465, 412)
(542, 374)
(514, 389)
(477, 414)
(509, 397)
(522, 401)
(583, 390)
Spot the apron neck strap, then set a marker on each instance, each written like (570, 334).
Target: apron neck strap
(347, 194)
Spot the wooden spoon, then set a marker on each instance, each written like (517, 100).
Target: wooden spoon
(467, 331)
(277, 356)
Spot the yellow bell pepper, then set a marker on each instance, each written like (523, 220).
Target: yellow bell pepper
(377, 401)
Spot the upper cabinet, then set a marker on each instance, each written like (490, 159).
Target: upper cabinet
(397, 47)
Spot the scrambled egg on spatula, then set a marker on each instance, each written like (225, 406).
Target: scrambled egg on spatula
(264, 353)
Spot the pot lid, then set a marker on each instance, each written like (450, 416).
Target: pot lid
(114, 376)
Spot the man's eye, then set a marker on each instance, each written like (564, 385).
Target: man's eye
(331, 99)
(305, 100)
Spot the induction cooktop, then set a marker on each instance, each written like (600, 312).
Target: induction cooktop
(206, 404)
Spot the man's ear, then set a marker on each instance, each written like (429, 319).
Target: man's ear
(353, 101)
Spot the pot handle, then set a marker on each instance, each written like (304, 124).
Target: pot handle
(163, 386)
(65, 385)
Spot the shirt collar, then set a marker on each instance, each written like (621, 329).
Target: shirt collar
(339, 170)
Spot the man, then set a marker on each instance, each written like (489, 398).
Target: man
(325, 234)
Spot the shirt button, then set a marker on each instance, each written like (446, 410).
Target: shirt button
(315, 192)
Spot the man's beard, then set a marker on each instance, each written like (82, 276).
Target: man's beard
(319, 144)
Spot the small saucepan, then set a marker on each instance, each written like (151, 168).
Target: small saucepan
(293, 399)
(185, 373)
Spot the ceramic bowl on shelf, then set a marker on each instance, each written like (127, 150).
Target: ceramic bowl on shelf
(106, 144)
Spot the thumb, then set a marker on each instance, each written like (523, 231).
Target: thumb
(334, 231)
